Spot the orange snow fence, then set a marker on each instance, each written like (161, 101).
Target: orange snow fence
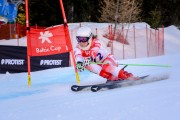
(135, 42)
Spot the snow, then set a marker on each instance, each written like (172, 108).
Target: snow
(50, 97)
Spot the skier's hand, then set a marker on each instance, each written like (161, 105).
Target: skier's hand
(80, 66)
(87, 61)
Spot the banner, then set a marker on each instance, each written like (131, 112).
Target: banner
(48, 41)
(14, 60)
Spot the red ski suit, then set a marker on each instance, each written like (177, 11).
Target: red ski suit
(109, 69)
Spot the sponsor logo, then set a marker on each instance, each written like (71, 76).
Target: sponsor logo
(45, 36)
(12, 62)
(50, 49)
(51, 62)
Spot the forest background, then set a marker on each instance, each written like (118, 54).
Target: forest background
(154, 12)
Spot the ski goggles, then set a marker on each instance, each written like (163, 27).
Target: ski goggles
(83, 39)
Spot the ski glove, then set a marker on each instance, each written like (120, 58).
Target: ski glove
(80, 66)
(87, 61)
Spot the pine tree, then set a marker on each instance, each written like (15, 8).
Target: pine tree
(128, 11)
(42, 13)
(167, 9)
(155, 18)
(21, 16)
(108, 10)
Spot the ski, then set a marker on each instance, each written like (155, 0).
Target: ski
(125, 83)
(96, 87)
(114, 84)
(77, 88)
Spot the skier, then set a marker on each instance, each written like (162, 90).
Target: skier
(92, 56)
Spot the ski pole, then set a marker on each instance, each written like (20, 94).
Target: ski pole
(155, 65)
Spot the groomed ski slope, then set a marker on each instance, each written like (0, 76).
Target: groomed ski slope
(50, 97)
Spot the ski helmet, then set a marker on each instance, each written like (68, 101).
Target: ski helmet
(84, 34)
